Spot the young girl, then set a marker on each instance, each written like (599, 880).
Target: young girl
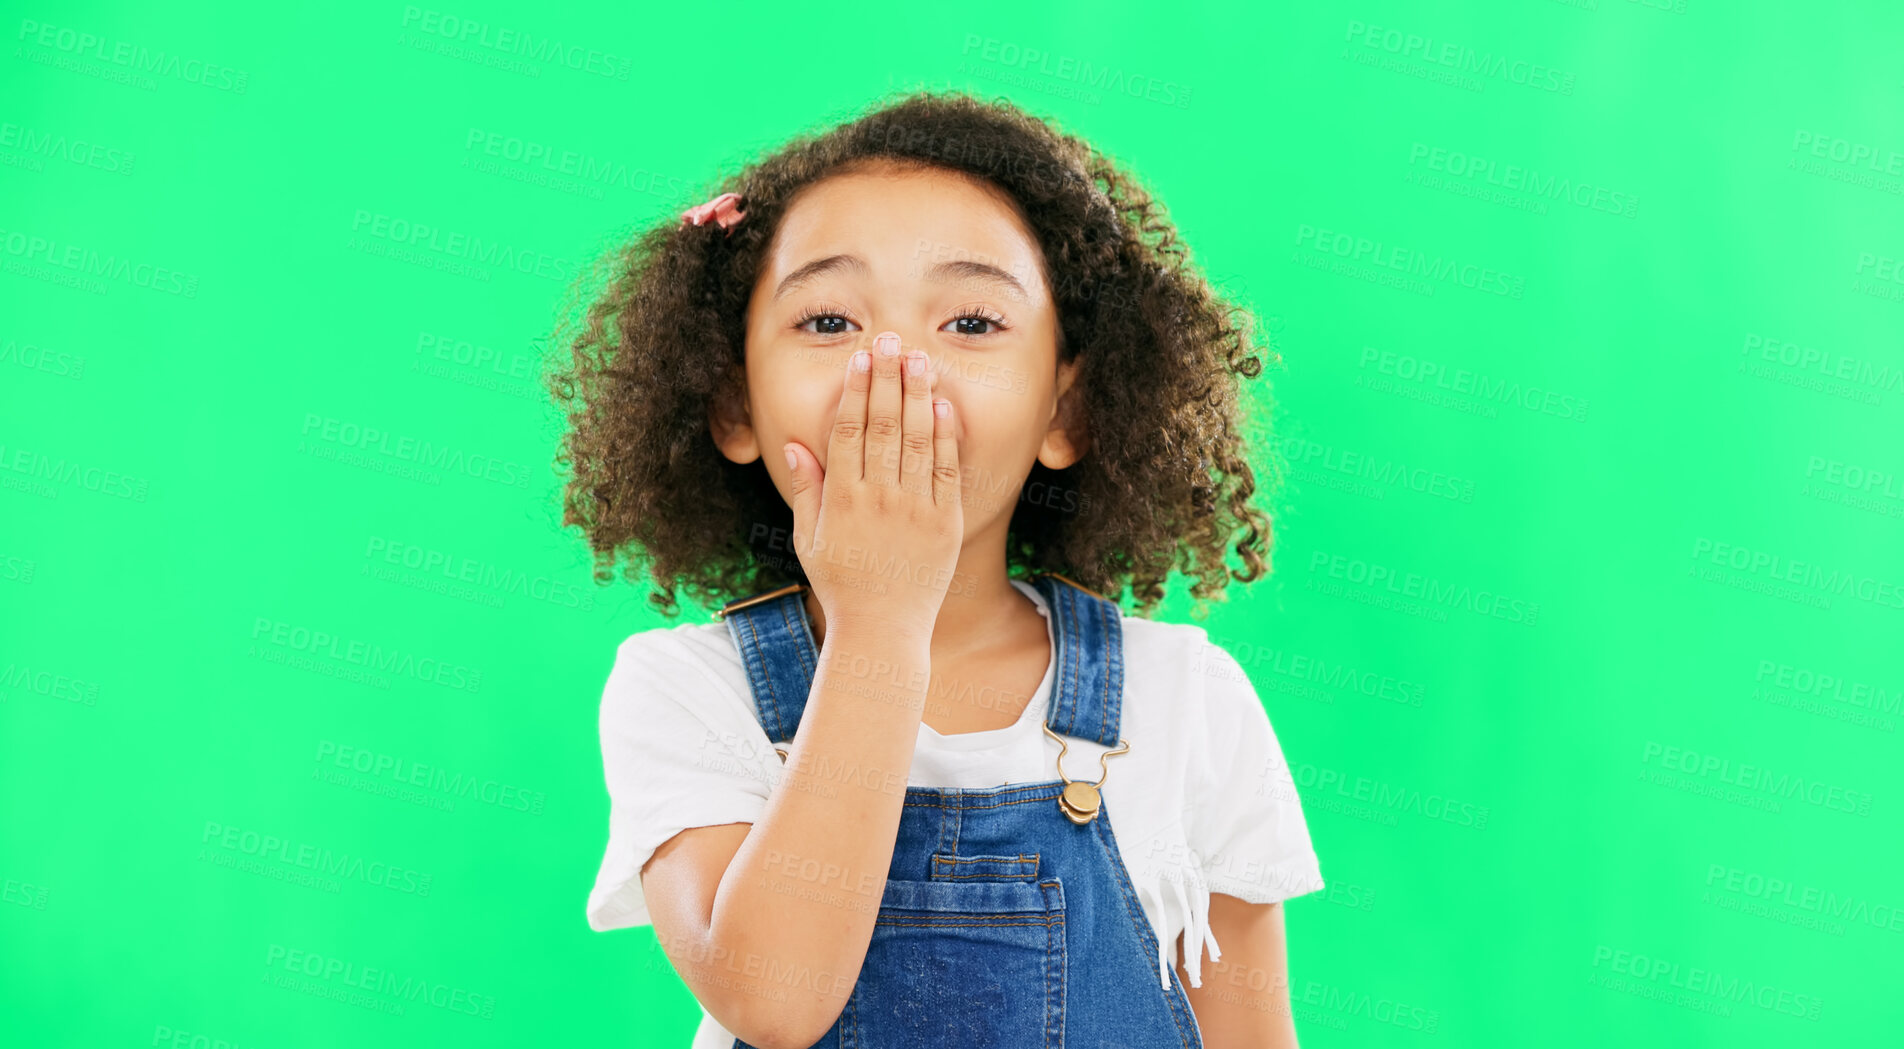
(909, 400)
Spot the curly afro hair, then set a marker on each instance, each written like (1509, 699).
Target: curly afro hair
(1165, 483)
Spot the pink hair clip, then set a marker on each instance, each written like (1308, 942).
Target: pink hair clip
(724, 209)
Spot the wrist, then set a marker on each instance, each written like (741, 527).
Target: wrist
(891, 638)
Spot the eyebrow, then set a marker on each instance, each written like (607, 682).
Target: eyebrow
(960, 268)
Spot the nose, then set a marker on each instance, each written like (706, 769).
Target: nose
(889, 346)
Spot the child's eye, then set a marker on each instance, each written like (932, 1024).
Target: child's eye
(972, 318)
(829, 322)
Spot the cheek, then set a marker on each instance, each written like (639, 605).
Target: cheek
(999, 403)
(1001, 427)
(797, 396)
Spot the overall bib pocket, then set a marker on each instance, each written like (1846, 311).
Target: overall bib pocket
(1022, 867)
(961, 963)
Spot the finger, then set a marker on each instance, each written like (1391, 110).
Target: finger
(846, 445)
(882, 413)
(915, 465)
(945, 454)
(804, 479)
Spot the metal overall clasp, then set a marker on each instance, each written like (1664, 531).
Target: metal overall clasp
(1080, 801)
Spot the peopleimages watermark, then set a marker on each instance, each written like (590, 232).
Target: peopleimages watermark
(380, 766)
(1388, 796)
(1339, 1003)
(23, 894)
(1842, 160)
(1660, 975)
(1857, 154)
(417, 455)
(483, 575)
(322, 646)
(1716, 769)
(343, 974)
(80, 43)
(1485, 390)
(1803, 574)
(1435, 592)
(512, 42)
(1308, 457)
(1811, 899)
(1545, 185)
(83, 264)
(1077, 70)
(43, 359)
(173, 1038)
(50, 683)
(1833, 687)
(1459, 60)
(1226, 662)
(37, 466)
(1400, 260)
(1836, 373)
(36, 146)
(320, 861)
(430, 239)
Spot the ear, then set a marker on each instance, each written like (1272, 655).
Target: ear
(1067, 440)
(730, 423)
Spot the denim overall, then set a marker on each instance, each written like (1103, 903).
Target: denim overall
(1004, 923)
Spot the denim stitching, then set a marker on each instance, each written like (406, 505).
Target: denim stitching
(1145, 934)
(1057, 964)
(1070, 710)
(757, 668)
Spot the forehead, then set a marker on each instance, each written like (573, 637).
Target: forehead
(905, 218)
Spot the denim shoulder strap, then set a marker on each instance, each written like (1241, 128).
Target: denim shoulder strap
(775, 641)
(1087, 685)
(774, 637)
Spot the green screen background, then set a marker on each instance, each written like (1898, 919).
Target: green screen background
(1585, 640)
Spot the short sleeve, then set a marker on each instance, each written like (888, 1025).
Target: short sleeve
(679, 749)
(1246, 823)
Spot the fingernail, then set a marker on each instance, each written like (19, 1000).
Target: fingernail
(887, 344)
(793, 461)
(862, 361)
(916, 364)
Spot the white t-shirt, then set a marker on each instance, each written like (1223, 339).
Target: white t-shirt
(1203, 801)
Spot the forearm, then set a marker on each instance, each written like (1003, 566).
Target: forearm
(1244, 1000)
(796, 908)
